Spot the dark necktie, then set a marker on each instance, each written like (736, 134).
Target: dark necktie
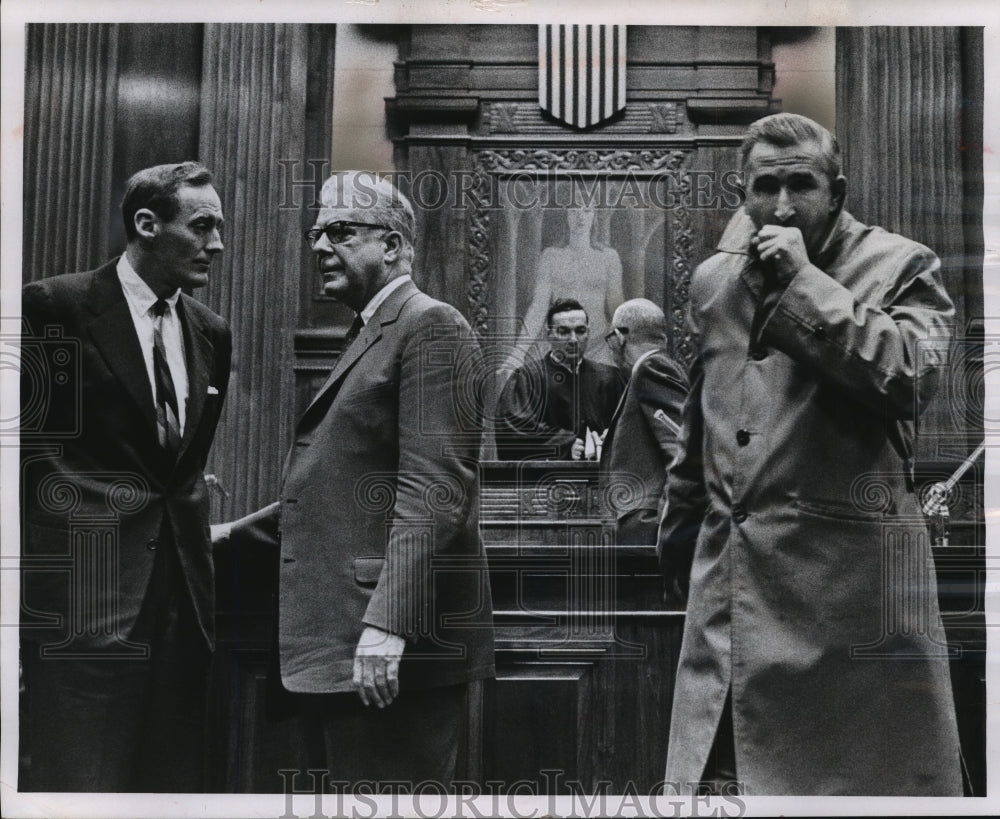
(168, 425)
(354, 331)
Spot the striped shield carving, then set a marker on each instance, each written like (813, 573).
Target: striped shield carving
(581, 73)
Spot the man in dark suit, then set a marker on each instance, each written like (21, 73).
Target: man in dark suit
(549, 407)
(122, 381)
(642, 439)
(384, 601)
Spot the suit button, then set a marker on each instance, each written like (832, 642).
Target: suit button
(739, 513)
(820, 332)
(743, 437)
(153, 544)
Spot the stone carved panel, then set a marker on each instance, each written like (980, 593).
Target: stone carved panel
(637, 118)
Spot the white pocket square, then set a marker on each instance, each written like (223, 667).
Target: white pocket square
(212, 390)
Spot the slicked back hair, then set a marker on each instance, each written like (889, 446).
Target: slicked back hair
(782, 130)
(563, 306)
(156, 189)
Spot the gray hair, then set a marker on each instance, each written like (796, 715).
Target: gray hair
(377, 201)
(644, 319)
(783, 130)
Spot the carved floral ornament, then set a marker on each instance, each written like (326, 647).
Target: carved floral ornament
(492, 166)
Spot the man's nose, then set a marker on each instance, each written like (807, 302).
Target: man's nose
(215, 242)
(785, 209)
(323, 245)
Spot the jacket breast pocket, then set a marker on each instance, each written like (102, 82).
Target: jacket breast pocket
(367, 570)
(371, 394)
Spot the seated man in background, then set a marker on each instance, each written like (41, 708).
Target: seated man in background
(549, 407)
(642, 438)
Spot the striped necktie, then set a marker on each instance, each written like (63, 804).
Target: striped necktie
(168, 425)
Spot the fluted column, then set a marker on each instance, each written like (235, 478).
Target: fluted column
(909, 121)
(900, 120)
(252, 116)
(70, 94)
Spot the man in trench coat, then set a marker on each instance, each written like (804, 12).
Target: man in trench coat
(813, 658)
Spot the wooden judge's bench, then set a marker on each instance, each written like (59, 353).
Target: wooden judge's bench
(586, 650)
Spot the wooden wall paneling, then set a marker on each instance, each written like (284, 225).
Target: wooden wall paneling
(158, 105)
(908, 174)
(439, 264)
(247, 746)
(541, 719)
(253, 116)
(70, 97)
(918, 172)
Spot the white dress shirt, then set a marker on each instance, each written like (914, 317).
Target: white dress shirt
(140, 300)
(369, 309)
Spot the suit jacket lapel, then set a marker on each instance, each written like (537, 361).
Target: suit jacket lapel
(113, 333)
(387, 313)
(198, 355)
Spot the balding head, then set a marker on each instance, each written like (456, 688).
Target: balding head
(364, 196)
(644, 319)
(641, 327)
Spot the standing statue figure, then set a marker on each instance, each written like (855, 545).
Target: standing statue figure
(581, 270)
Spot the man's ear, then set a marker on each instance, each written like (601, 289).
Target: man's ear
(147, 225)
(393, 246)
(838, 191)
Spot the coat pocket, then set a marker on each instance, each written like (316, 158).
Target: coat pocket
(836, 511)
(367, 570)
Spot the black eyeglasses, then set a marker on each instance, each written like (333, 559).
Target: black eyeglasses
(621, 333)
(338, 232)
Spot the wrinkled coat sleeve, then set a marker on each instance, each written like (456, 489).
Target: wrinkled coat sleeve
(868, 350)
(661, 393)
(686, 498)
(436, 489)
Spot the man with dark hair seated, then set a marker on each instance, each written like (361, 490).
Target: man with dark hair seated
(549, 406)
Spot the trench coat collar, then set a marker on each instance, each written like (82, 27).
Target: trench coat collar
(741, 229)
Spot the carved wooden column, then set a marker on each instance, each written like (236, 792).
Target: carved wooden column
(902, 123)
(252, 117)
(70, 94)
(909, 120)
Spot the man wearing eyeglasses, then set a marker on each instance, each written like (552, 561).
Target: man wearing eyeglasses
(384, 600)
(551, 407)
(642, 438)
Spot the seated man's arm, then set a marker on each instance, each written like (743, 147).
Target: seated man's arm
(662, 389)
